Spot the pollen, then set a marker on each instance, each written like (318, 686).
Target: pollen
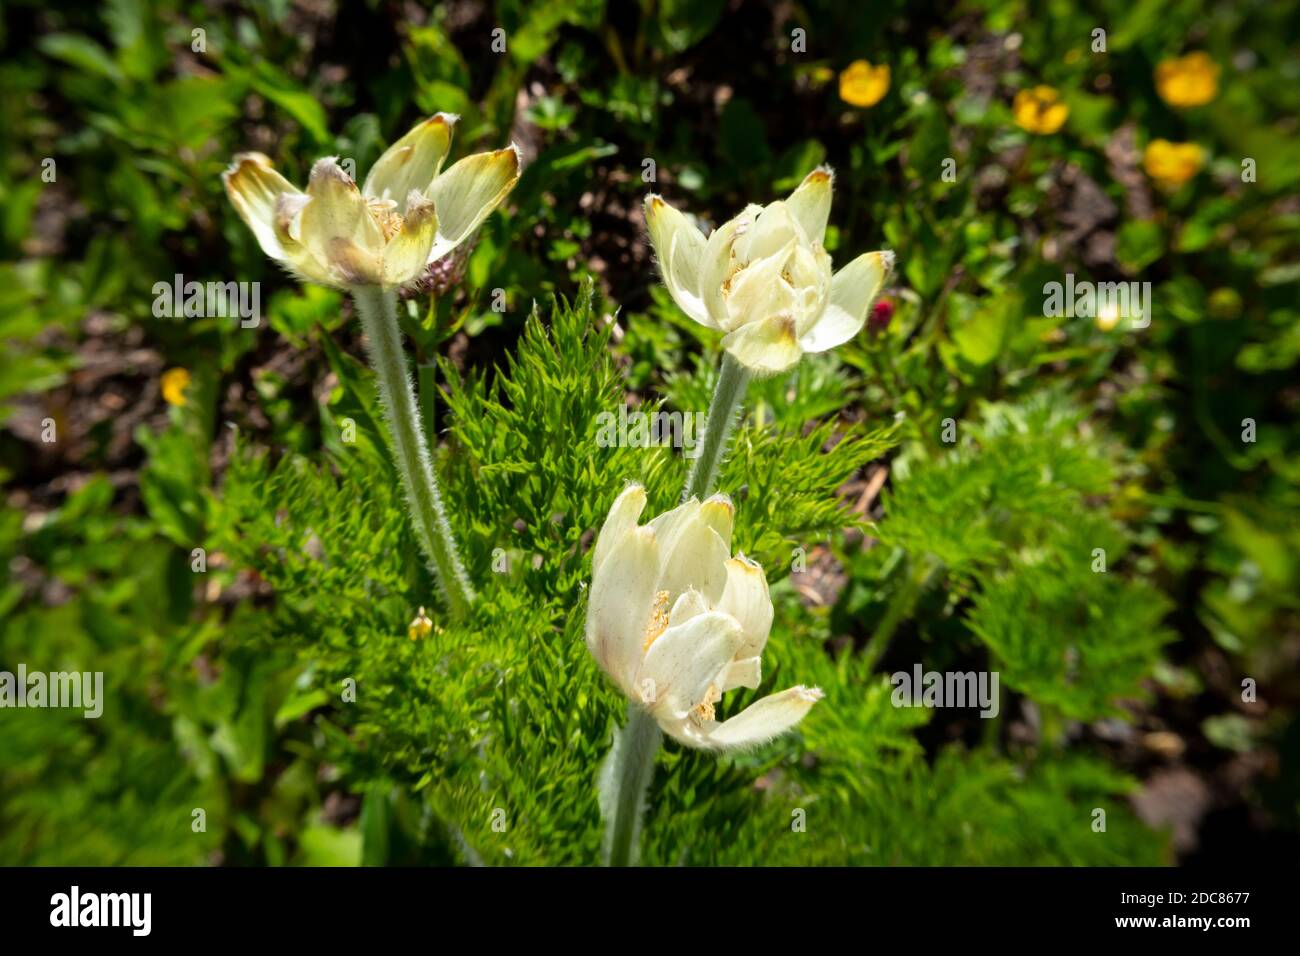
(704, 710)
(658, 620)
(386, 216)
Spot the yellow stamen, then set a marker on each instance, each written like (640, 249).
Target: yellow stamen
(658, 620)
(705, 711)
(387, 216)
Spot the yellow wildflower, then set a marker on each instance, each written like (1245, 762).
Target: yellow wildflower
(1040, 110)
(1191, 80)
(174, 383)
(862, 84)
(1172, 164)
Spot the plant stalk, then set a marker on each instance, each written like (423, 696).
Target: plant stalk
(630, 765)
(624, 779)
(378, 310)
(733, 378)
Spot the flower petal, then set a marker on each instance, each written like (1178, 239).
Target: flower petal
(746, 598)
(760, 290)
(468, 192)
(407, 253)
(718, 265)
(686, 660)
(765, 347)
(852, 290)
(691, 553)
(338, 228)
(773, 229)
(254, 187)
(719, 514)
(287, 218)
(413, 162)
(810, 276)
(764, 720)
(622, 518)
(680, 248)
(810, 204)
(298, 259)
(622, 597)
(746, 672)
(690, 604)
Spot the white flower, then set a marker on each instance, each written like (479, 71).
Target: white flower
(408, 214)
(677, 622)
(764, 279)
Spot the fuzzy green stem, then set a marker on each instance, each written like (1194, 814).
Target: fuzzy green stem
(378, 310)
(624, 779)
(630, 765)
(733, 378)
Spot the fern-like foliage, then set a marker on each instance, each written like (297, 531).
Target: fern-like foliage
(498, 725)
(1015, 512)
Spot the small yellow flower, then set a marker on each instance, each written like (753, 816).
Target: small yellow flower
(1040, 110)
(1172, 164)
(1191, 80)
(420, 626)
(174, 383)
(862, 84)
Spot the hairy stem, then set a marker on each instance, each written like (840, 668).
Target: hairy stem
(733, 378)
(624, 778)
(377, 308)
(630, 765)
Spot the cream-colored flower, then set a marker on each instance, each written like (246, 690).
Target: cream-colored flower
(409, 213)
(764, 279)
(677, 622)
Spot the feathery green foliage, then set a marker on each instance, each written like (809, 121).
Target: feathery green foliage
(504, 720)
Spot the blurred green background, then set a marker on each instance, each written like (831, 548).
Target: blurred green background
(116, 123)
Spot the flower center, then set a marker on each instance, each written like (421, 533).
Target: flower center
(704, 711)
(387, 216)
(658, 620)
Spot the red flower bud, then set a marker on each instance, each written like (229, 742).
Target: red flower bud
(881, 313)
